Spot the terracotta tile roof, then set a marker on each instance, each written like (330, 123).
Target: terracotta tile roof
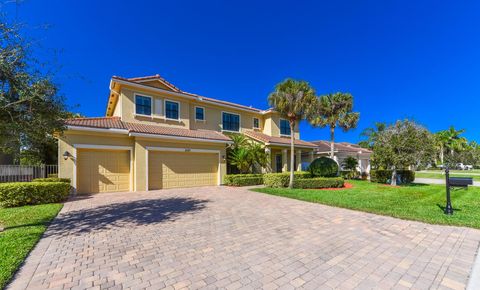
(178, 132)
(139, 79)
(277, 140)
(116, 123)
(324, 146)
(100, 122)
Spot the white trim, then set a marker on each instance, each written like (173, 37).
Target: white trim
(195, 112)
(135, 103)
(239, 121)
(102, 147)
(280, 128)
(185, 150)
(183, 95)
(177, 138)
(100, 130)
(146, 172)
(165, 109)
(155, 79)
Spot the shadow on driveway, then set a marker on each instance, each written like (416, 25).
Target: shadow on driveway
(129, 214)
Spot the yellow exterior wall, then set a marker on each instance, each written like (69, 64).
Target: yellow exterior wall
(139, 170)
(67, 141)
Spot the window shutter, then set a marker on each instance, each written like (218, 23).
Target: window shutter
(158, 107)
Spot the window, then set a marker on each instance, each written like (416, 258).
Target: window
(256, 123)
(171, 110)
(284, 127)
(143, 105)
(199, 113)
(231, 122)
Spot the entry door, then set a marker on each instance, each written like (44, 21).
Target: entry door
(278, 163)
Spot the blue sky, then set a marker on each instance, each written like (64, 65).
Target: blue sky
(399, 59)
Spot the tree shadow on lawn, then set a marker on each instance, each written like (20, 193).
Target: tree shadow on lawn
(128, 215)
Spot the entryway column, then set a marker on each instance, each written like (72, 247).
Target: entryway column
(310, 156)
(268, 167)
(284, 160)
(299, 160)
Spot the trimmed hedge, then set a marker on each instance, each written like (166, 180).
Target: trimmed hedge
(323, 167)
(51, 179)
(29, 193)
(278, 180)
(319, 182)
(385, 176)
(243, 179)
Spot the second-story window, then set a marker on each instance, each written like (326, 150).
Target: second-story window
(172, 110)
(143, 105)
(256, 123)
(284, 127)
(199, 113)
(230, 122)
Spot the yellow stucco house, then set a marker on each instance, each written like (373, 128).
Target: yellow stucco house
(156, 136)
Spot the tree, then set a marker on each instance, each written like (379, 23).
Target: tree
(403, 145)
(31, 110)
(245, 154)
(371, 135)
(350, 163)
(335, 110)
(293, 100)
(450, 141)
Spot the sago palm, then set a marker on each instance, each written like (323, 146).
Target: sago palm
(292, 99)
(335, 110)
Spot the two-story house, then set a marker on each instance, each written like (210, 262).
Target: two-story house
(156, 136)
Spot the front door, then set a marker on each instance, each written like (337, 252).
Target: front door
(278, 163)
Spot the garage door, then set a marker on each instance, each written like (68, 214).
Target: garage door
(103, 171)
(181, 169)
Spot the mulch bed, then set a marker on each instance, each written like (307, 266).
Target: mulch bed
(345, 186)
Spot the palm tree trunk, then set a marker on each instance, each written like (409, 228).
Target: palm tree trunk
(332, 142)
(441, 154)
(292, 149)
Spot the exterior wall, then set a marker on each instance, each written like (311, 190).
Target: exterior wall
(125, 108)
(70, 138)
(139, 145)
(272, 126)
(141, 163)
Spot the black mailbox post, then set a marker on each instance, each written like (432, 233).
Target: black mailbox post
(448, 208)
(454, 182)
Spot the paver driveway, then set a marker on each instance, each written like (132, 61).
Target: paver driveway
(233, 238)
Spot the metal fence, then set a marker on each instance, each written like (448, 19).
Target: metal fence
(17, 173)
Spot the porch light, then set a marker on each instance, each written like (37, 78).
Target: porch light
(66, 155)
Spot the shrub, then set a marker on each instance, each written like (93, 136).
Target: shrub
(349, 174)
(51, 179)
(29, 193)
(385, 176)
(323, 167)
(243, 179)
(319, 182)
(277, 180)
(52, 175)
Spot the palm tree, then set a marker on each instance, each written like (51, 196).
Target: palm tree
(292, 99)
(451, 141)
(335, 110)
(371, 135)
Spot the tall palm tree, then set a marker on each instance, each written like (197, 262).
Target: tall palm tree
(335, 110)
(451, 141)
(292, 99)
(371, 134)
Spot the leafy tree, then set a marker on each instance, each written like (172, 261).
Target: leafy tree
(30, 108)
(335, 110)
(350, 164)
(371, 135)
(293, 100)
(403, 145)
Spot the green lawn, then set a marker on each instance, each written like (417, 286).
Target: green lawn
(438, 175)
(415, 202)
(23, 227)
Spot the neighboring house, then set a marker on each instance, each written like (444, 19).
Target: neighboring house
(155, 136)
(342, 150)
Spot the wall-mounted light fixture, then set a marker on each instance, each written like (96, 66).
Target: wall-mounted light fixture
(223, 157)
(66, 155)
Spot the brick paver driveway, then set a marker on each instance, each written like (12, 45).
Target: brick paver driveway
(233, 238)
